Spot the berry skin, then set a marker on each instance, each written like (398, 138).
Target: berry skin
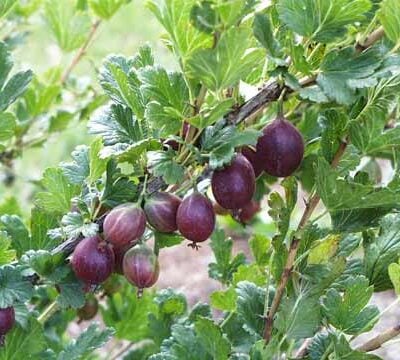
(281, 148)
(196, 217)
(234, 186)
(161, 211)
(141, 267)
(124, 224)
(93, 260)
(7, 320)
(247, 212)
(254, 159)
(89, 310)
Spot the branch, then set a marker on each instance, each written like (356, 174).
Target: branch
(374, 37)
(294, 246)
(379, 340)
(81, 52)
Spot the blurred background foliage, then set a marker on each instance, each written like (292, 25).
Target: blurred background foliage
(27, 28)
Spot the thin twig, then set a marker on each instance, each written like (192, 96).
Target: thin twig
(379, 340)
(81, 52)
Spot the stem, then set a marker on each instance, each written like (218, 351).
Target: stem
(379, 340)
(48, 312)
(294, 246)
(81, 52)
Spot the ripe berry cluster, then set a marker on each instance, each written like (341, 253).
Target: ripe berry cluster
(279, 152)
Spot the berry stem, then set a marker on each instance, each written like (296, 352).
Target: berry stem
(48, 312)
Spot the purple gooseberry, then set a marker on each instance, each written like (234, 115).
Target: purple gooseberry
(93, 260)
(141, 267)
(281, 148)
(234, 186)
(124, 224)
(196, 218)
(161, 209)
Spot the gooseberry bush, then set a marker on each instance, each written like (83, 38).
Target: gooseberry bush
(288, 107)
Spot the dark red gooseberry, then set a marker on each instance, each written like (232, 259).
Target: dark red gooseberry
(281, 148)
(124, 224)
(93, 260)
(234, 186)
(141, 267)
(254, 159)
(161, 211)
(7, 320)
(89, 310)
(196, 217)
(247, 212)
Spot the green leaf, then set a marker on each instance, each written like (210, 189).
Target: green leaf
(340, 194)
(174, 16)
(163, 163)
(128, 314)
(394, 275)
(13, 287)
(372, 139)
(6, 6)
(41, 223)
(334, 125)
(168, 98)
(19, 342)
(323, 250)
(167, 240)
(220, 141)
(341, 68)
(46, 265)
(322, 21)
(348, 312)
(119, 80)
(78, 170)
(298, 318)
(7, 254)
(263, 31)
(88, 341)
(118, 188)
(74, 224)
(228, 63)
(14, 88)
(382, 251)
(319, 346)
(59, 192)
(224, 267)
(212, 338)
(260, 245)
(7, 126)
(106, 9)
(71, 291)
(129, 152)
(224, 300)
(11, 206)
(209, 115)
(343, 350)
(17, 231)
(69, 26)
(250, 307)
(116, 124)
(387, 16)
(97, 166)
